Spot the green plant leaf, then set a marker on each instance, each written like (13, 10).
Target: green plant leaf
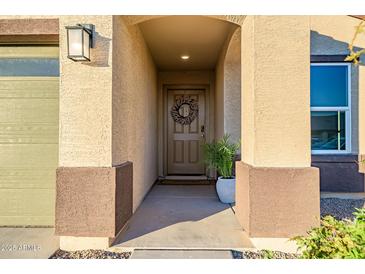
(220, 155)
(335, 238)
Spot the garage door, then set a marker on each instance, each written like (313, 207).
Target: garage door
(29, 78)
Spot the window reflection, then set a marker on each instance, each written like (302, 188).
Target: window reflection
(29, 67)
(328, 130)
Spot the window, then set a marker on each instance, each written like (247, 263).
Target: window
(331, 108)
(29, 60)
(29, 67)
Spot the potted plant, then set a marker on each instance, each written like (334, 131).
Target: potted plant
(220, 155)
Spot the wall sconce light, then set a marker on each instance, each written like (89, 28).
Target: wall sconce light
(79, 41)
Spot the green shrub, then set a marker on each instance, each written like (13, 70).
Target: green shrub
(335, 239)
(220, 155)
(268, 254)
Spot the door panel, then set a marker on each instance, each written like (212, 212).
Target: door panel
(184, 141)
(193, 156)
(28, 135)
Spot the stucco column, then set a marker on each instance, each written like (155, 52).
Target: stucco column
(361, 69)
(277, 191)
(93, 198)
(86, 98)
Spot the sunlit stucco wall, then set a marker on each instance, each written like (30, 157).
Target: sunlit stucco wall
(134, 107)
(275, 91)
(86, 98)
(331, 35)
(85, 95)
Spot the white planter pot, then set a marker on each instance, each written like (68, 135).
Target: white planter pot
(226, 189)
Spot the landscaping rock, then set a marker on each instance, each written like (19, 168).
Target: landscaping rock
(263, 254)
(340, 208)
(90, 254)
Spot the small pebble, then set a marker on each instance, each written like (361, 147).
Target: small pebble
(90, 254)
(340, 208)
(262, 254)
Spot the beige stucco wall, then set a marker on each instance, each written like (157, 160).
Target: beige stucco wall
(219, 92)
(29, 16)
(228, 88)
(204, 77)
(134, 126)
(247, 86)
(331, 35)
(86, 98)
(275, 91)
(232, 98)
(136, 19)
(85, 128)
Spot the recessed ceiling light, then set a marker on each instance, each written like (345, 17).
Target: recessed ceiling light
(185, 57)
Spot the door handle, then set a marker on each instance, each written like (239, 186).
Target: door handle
(202, 131)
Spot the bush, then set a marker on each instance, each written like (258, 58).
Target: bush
(335, 239)
(220, 155)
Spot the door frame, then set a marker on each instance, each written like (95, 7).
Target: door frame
(165, 119)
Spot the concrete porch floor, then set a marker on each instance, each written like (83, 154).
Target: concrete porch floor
(183, 217)
(27, 242)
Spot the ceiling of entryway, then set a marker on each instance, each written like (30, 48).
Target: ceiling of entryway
(199, 37)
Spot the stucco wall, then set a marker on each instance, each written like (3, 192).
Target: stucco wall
(30, 16)
(228, 88)
(219, 92)
(136, 19)
(134, 126)
(86, 98)
(275, 91)
(232, 98)
(330, 35)
(247, 84)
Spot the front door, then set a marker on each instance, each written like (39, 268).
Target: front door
(185, 131)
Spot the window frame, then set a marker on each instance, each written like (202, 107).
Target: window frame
(347, 111)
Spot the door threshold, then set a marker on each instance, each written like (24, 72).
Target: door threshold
(185, 177)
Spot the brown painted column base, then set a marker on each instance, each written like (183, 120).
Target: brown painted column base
(93, 201)
(277, 202)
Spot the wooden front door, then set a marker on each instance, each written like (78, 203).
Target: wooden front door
(185, 131)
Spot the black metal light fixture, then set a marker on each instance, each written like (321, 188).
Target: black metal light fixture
(80, 41)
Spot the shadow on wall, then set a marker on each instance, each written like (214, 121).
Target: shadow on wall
(100, 52)
(326, 45)
(339, 173)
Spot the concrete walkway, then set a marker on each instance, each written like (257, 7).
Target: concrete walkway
(181, 254)
(343, 195)
(183, 217)
(27, 243)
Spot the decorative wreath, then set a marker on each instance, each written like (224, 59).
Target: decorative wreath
(193, 110)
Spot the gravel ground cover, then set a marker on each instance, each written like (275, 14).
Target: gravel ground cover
(340, 208)
(90, 254)
(262, 254)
